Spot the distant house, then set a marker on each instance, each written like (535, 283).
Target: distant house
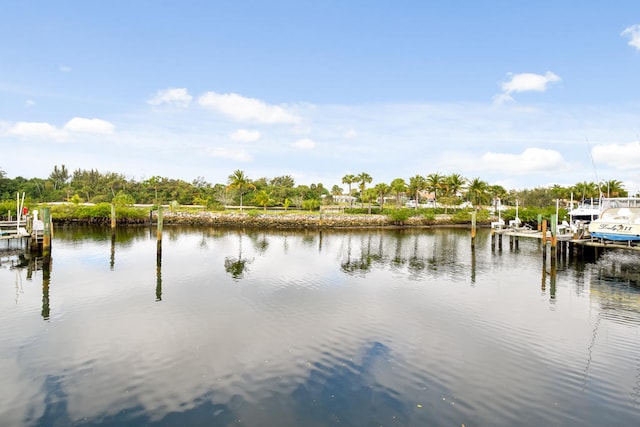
(343, 198)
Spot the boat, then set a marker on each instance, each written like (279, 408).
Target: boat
(619, 220)
(586, 211)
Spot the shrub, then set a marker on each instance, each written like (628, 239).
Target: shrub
(399, 216)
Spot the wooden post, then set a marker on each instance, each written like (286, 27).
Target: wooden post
(473, 229)
(159, 223)
(539, 222)
(554, 239)
(493, 239)
(113, 216)
(46, 235)
(544, 239)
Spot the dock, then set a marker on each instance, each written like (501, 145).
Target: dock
(28, 231)
(562, 241)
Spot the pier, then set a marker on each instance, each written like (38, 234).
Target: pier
(28, 231)
(561, 241)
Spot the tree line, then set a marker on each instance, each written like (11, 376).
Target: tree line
(240, 190)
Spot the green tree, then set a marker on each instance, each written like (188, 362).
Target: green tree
(435, 183)
(349, 179)
(417, 183)
(263, 198)
(382, 190)
(311, 204)
(613, 188)
(369, 195)
(477, 191)
(398, 189)
(585, 190)
(239, 182)
(455, 184)
(59, 177)
(363, 179)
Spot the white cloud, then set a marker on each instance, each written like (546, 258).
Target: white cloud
(304, 144)
(634, 35)
(502, 98)
(241, 108)
(82, 125)
(527, 82)
(530, 161)
(244, 135)
(620, 156)
(225, 153)
(174, 96)
(64, 68)
(30, 103)
(38, 130)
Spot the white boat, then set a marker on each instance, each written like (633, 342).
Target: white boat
(586, 211)
(618, 220)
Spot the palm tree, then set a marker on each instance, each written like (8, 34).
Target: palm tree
(455, 183)
(435, 182)
(614, 188)
(349, 179)
(263, 198)
(399, 188)
(477, 190)
(241, 183)
(363, 179)
(584, 190)
(369, 195)
(382, 190)
(416, 184)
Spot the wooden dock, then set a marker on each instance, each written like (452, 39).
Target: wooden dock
(563, 242)
(22, 231)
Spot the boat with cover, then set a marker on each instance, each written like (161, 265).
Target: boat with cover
(586, 211)
(619, 220)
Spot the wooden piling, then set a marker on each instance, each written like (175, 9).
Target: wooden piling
(159, 230)
(473, 229)
(554, 239)
(544, 239)
(113, 216)
(46, 235)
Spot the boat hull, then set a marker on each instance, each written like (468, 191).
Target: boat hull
(619, 224)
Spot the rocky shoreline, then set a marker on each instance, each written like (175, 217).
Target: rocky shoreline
(279, 221)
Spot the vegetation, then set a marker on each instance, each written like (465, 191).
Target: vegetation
(98, 189)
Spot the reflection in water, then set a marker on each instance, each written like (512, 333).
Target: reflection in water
(112, 259)
(236, 267)
(159, 271)
(401, 327)
(46, 279)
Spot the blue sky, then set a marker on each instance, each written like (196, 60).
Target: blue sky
(520, 94)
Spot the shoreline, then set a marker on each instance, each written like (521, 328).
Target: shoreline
(282, 221)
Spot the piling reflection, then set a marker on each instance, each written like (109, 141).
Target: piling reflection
(112, 258)
(46, 279)
(159, 270)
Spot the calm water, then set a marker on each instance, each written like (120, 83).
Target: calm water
(275, 328)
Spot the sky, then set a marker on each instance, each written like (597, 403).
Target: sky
(519, 94)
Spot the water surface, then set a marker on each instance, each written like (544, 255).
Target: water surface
(310, 328)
